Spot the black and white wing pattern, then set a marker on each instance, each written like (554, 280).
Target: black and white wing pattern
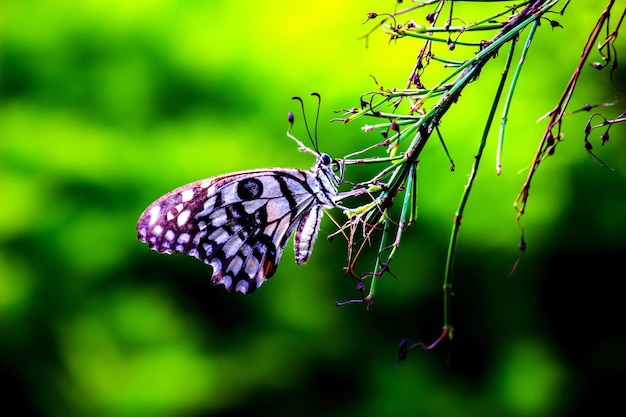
(239, 223)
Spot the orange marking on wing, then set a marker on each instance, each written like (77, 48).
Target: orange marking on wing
(268, 268)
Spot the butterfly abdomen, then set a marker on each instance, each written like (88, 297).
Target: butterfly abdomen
(306, 233)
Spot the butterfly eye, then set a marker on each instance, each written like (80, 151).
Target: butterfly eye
(326, 159)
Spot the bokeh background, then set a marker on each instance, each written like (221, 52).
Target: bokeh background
(106, 105)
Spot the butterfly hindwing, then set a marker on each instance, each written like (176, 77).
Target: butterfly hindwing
(240, 223)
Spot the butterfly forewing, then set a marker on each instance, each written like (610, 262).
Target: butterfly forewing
(240, 223)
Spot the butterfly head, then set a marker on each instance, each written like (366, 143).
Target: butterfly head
(332, 168)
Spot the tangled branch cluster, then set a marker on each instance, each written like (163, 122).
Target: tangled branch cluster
(407, 117)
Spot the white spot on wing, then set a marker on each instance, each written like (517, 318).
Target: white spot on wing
(170, 235)
(218, 217)
(158, 229)
(235, 265)
(242, 286)
(154, 214)
(232, 246)
(183, 217)
(219, 236)
(252, 266)
(187, 195)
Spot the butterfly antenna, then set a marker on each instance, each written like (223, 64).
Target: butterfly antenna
(317, 119)
(306, 125)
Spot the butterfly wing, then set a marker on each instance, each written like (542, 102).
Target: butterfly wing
(238, 223)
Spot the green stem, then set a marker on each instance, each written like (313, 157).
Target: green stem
(509, 97)
(447, 280)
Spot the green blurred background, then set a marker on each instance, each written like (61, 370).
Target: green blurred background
(106, 105)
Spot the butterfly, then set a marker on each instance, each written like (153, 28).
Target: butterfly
(239, 223)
